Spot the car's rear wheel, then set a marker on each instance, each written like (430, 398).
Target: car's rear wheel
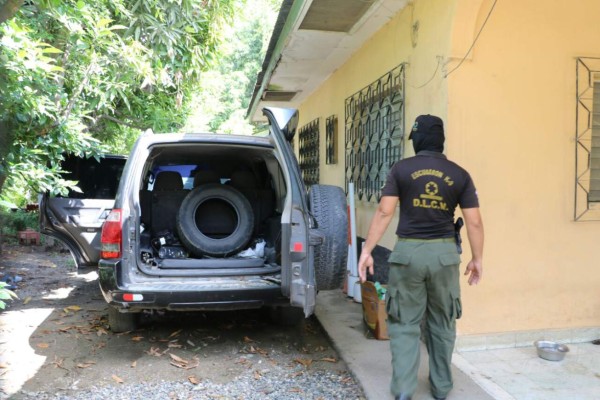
(328, 206)
(215, 220)
(121, 322)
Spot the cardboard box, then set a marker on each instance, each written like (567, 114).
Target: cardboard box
(374, 312)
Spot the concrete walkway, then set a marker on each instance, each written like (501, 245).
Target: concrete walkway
(514, 373)
(370, 359)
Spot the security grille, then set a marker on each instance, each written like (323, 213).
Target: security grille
(331, 127)
(587, 153)
(308, 150)
(374, 133)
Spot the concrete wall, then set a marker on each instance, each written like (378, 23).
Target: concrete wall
(388, 48)
(510, 120)
(511, 116)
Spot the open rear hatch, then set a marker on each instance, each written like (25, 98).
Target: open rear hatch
(211, 210)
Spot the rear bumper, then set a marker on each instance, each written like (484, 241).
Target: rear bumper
(166, 297)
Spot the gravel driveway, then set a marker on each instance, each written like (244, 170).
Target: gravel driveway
(55, 344)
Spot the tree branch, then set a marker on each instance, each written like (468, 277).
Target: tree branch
(9, 8)
(121, 122)
(75, 95)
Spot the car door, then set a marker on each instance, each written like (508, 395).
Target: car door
(77, 218)
(298, 237)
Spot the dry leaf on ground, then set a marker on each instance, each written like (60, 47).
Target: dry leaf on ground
(117, 379)
(133, 364)
(154, 351)
(137, 338)
(86, 364)
(101, 331)
(182, 363)
(178, 359)
(329, 359)
(248, 340)
(43, 345)
(58, 363)
(175, 333)
(304, 361)
(257, 375)
(193, 380)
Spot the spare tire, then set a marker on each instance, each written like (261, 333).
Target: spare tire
(328, 206)
(215, 220)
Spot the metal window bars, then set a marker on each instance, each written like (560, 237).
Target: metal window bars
(587, 139)
(374, 130)
(308, 150)
(331, 127)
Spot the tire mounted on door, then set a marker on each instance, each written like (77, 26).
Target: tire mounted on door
(328, 206)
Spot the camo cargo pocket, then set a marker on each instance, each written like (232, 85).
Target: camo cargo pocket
(449, 259)
(456, 306)
(399, 257)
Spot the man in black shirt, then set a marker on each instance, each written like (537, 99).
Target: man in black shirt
(424, 275)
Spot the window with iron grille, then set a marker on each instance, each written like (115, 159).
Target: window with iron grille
(308, 150)
(587, 153)
(331, 127)
(374, 130)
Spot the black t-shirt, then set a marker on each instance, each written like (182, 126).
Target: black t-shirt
(429, 187)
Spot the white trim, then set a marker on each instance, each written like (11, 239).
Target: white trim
(505, 340)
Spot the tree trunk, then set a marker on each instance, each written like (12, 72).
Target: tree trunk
(9, 8)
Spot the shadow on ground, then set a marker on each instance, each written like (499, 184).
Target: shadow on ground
(55, 337)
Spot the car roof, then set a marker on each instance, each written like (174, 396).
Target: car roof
(174, 138)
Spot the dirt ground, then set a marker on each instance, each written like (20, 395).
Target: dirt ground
(55, 336)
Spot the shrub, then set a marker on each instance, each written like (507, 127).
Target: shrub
(5, 294)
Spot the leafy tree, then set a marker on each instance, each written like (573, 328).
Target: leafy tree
(85, 77)
(227, 88)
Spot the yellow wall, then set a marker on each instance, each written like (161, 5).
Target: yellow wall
(510, 120)
(388, 48)
(512, 115)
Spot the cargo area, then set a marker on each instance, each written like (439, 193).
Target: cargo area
(209, 210)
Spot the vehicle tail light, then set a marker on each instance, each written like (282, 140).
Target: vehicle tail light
(111, 235)
(132, 297)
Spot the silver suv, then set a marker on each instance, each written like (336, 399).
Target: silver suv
(203, 222)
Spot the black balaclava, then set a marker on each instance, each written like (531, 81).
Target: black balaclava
(428, 134)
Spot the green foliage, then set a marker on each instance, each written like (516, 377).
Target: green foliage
(86, 77)
(6, 294)
(14, 221)
(226, 89)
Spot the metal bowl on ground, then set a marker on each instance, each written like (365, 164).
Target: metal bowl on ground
(551, 351)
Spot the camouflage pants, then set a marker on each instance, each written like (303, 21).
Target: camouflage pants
(424, 278)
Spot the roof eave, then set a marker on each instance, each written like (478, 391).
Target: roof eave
(286, 21)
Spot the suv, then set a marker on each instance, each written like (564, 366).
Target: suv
(203, 222)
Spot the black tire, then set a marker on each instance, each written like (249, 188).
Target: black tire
(328, 206)
(215, 220)
(121, 322)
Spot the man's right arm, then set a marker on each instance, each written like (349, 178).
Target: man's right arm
(474, 226)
